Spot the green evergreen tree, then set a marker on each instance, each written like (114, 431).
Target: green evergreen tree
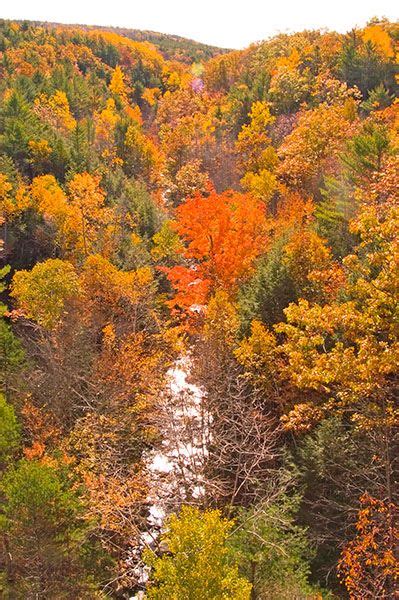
(269, 291)
(378, 99)
(336, 463)
(18, 126)
(365, 152)
(10, 434)
(333, 214)
(46, 552)
(11, 352)
(81, 151)
(272, 551)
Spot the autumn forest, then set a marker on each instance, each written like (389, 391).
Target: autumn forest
(199, 315)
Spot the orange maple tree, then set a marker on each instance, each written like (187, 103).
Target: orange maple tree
(369, 565)
(224, 234)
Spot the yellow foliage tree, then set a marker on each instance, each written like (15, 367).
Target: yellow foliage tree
(43, 292)
(117, 85)
(89, 221)
(55, 111)
(380, 40)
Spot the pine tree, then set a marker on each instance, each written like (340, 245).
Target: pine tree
(80, 149)
(11, 351)
(9, 432)
(270, 289)
(46, 548)
(365, 152)
(272, 550)
(333, 214)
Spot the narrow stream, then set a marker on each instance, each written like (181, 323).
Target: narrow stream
(176, 467)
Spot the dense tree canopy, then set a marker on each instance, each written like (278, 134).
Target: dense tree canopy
(199, 340)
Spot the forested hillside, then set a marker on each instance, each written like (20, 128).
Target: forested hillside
(199, 336)
(172, 47)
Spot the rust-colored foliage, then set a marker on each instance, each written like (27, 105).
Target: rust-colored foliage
(369, 564)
